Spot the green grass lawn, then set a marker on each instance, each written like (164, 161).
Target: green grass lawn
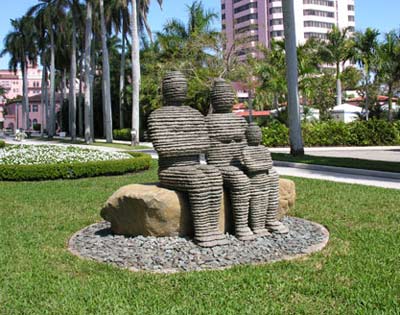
(341, 162)
(358, 272)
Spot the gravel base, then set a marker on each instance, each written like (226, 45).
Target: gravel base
(176, 254)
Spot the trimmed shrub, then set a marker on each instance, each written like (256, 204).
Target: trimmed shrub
(334, 133)
(138, 162)
(122, 134)
(275, 134)
(2, 144)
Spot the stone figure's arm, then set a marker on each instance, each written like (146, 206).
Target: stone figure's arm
(255, 160)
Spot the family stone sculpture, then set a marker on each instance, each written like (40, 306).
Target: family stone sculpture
(235, 161)
(179, 136)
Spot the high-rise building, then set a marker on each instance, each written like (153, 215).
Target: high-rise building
(249, 22)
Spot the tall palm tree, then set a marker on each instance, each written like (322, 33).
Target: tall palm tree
(389, 65)
(365, 54)
(106, 77)
(20, 43)
(88, 82)
(48, 15)
(337, 50)
(139, 11)
(295, 135)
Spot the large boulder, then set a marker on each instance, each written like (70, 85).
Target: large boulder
(150, 210)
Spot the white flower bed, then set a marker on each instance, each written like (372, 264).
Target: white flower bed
(52, 154)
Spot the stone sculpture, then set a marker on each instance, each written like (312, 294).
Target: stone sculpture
(264, 180)
(227, 135)
(179, 136)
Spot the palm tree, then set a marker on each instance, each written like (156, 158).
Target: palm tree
(106, 77)
(20, 43)
(389, 64)
(337, 50)
(365, 53)
(88, 82)
(48, 14)
(296, 139)
(139, 13)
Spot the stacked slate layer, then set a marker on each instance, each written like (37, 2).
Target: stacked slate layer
(179, 136)
(264, 201)
(227, 141)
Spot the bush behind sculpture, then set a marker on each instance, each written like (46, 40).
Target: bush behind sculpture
(138, 162)
(2, 144)
(334, 133)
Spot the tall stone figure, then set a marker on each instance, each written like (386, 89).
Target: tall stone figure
(179, 136)
(228, 139)
(264, 200)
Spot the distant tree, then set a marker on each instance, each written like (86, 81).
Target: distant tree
(365, 53)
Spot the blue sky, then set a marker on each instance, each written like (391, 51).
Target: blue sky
(382, 14)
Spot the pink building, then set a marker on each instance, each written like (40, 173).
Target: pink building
(249, 22)
(12, 83)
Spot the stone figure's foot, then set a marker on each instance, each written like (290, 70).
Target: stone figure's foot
(261, 232)
(277, 227)
(244, 234)
(212, 240)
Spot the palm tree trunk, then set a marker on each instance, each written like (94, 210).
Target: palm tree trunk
(25, 111)
(80, 105)
(135, 72)
(106, 78)
(390, 94)
(46, 98)
(122, 78)
(338, 86)
(52, 116)
(296, 139)
(42, 97)
(92, 78)
(88, 44)
(62, 96)
(72, 95)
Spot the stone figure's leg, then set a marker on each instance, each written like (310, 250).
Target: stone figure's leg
(238, 185)
(194, 182)
(259, 203)
(272, 224)
(215, 184)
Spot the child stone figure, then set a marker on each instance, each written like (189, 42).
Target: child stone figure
(264, 181)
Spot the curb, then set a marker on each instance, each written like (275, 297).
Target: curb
(342, 170)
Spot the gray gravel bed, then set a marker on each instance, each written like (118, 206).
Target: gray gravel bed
(175, 254)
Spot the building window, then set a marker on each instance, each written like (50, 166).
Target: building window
(351, 18)
(275, 10)
(276, 22)
(247, 28)
(319, 13)
(35, 108)
(251, 39)
(236, 1)
(276, 34)
(223, 26)
(274, 1)
(350, 7)
(319, 2)
(251, 5)
(351, 29)
(308, 35)
(223, 6)
(35, 122)
(245, 18)
(223, 16)
(318, 24)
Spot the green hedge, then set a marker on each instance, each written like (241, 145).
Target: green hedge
(2, 144)
(138, 162)
(334, 133)
(122, 134)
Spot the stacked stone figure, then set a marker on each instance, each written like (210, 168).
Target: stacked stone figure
(264, 180)
(227, 135)
(179, 136)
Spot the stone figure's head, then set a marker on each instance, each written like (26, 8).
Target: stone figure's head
(253, 134)
(174, 88)
(222, 96)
